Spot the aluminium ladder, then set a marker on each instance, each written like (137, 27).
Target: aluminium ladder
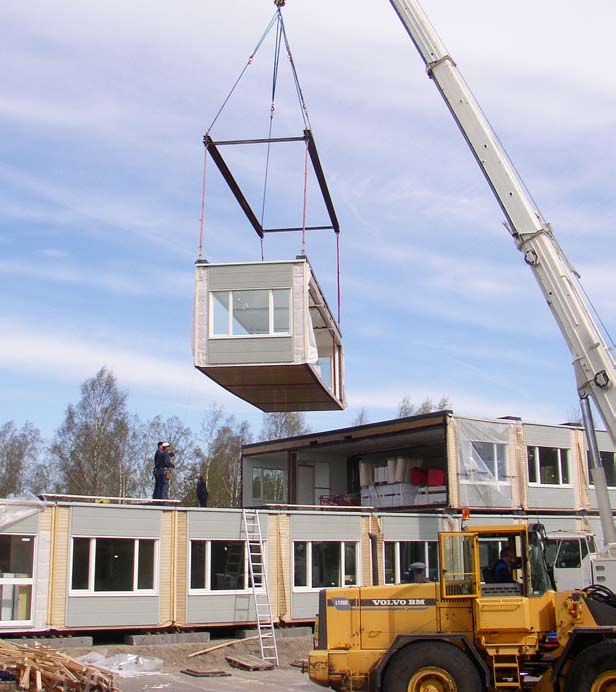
(260, 590)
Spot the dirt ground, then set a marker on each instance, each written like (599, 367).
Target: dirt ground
(174, 658)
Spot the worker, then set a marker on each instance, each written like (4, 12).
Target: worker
(503, 567)
(201, 491)
(162, 473)
(418, 573)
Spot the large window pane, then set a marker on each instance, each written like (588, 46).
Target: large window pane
(350, 571)
(501, 462)
(16, 556)
(300, 550)
(564, 466)
(548, 465)
(325, 565)
(250, 312)
(197, 565)
(15, 602)
(145, 576)
(81, 563)
(257, 483)
(532, 464)
(227, 565)
(115, 559)
(273, 484)
(281, 310)
(410, 552)
(390, 559)
(220, 309)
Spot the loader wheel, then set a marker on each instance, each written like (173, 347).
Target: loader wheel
(431, 667)
(593, 670)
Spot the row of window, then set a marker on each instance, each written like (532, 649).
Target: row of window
(263, 312)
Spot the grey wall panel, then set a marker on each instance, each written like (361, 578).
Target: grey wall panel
(28, 525)
(98, 520)
(217, 607)
(605, 442)
(411, 528)
(485, 495)
(320, 527)
(593, 498)
(249, 276)
(219, 525)
(551, 498)
(558, 523)
(112, 611)
(548, 436)
(304, 606)
(237, 351)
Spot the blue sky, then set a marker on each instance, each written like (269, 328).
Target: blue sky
(102, 110)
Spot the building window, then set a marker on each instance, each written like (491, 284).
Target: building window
(400, 555)
(262, 312)
(608, 461)
(220, 566)
(548, 466)
(268, 484)
(321, 564)
(488, 462)
(16, 578)
(111, 565)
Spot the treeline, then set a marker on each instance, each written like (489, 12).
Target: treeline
(101, 449)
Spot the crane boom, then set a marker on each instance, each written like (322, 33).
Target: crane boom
(594, 365)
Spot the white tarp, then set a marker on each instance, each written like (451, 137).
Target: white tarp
(485, 463)
(17, 508)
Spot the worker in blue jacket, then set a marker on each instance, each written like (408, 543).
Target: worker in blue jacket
(162, 473)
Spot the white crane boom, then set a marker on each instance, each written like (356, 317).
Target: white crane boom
(595, 369)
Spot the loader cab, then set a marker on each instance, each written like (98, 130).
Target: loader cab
(493, 561)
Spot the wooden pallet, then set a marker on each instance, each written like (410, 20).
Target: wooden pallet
(205, 673)
(246, 662)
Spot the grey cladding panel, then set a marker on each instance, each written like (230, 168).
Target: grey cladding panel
(216, 607)
(308, 527)
(548, 436)
(237, 351)
(250, 276)
(28, 525)
(112, 611)
(401, 528)
(304, 606)
(219, 525)
(551, 498)
(115, 521)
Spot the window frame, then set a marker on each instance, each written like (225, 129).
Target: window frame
(397, 566)
(261, 496)
(270, 306)
(22, 581)
(91, 592)
(309, 543)
(208, 591)
(472, 478)
(537, 463)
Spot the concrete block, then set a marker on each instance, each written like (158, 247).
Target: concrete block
(57, 642)
(286, 632)
(160, 638)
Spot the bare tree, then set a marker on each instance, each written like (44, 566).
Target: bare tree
(407, 408)
(225, 463)
(19, 450)
(90, 446)
(362, 417)
(285, 424)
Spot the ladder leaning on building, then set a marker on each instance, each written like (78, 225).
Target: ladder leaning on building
(258, 580)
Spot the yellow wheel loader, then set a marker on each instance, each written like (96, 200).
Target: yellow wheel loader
(481, 627)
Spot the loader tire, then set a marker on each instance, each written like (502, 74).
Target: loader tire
(594, 669)
(431, 666)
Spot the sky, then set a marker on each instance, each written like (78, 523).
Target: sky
(103, 107)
